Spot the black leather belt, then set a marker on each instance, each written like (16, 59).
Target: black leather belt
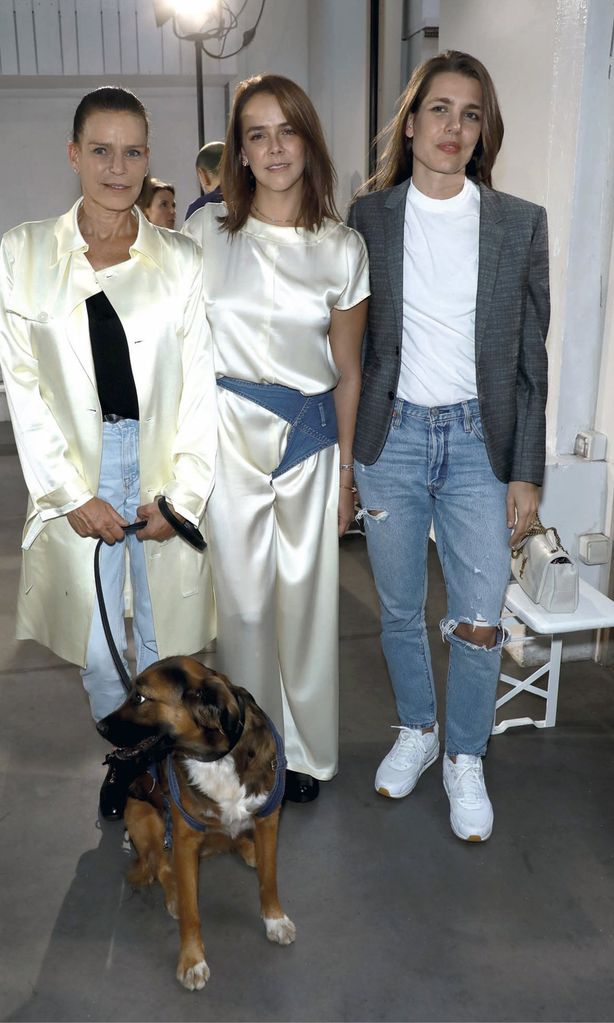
(111, 417)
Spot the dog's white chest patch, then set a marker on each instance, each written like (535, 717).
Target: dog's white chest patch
(220, 781)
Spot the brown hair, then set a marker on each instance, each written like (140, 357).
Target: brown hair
(395, 163)
(109, 98)
(319, 178)
(149, 189)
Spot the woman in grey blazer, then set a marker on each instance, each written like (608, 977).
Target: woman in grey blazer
(451, 422)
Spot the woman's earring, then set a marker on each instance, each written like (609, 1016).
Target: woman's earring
(245, 161)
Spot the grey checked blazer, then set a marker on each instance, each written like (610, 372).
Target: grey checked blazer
(511, 323)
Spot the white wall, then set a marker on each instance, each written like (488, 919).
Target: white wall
(391, 74)
(550, 61)
(417, 48)
(281, 44)
(338, 85)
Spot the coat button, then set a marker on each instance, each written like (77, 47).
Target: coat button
(391, 395)
(43, 317)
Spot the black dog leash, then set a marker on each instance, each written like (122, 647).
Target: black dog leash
(189, 533)
(185, 529)
(119, 664)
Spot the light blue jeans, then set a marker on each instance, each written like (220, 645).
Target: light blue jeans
(120, 486)
(434, 468)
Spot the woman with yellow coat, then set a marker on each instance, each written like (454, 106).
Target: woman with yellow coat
(106, 359)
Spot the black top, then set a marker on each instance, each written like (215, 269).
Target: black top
(114, 378)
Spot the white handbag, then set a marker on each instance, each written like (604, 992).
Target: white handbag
(545, 571)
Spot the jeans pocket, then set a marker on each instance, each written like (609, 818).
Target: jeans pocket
(476, 426)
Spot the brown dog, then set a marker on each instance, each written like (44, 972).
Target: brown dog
(224, 775)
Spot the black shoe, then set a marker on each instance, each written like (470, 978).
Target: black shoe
(301, 788)
(114, 791)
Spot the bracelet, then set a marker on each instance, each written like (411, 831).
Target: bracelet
(342, 486)
(348, 466)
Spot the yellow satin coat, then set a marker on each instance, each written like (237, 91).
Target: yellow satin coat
(48, 370)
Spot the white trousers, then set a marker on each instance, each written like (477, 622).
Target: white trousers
(275, 559)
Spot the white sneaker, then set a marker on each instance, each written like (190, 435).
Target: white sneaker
(471, 813)
(410, 756)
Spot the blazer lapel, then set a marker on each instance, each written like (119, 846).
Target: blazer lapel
(491, 239)
(394, 222)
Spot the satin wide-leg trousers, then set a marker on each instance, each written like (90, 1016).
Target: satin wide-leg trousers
(274, 553)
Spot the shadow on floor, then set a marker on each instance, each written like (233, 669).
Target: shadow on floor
(397, 920)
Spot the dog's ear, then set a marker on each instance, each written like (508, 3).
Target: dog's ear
(215, 708)
(205, 710)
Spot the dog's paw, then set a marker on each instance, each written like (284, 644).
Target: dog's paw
(171, 907)
(281, 929)
(193, 977)
(246, 848)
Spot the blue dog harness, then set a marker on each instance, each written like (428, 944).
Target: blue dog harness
(312, 417)
(271, 803)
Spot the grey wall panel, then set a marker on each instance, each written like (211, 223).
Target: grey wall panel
(171, 51)
(47, 37)
(111, 46)
(95, 38)
(9, 64)
(128, 37)
(26, 48)
(68, 37)
(89, 37)
(149, 39)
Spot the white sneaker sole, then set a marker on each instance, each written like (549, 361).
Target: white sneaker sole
(472, 837)
(383, 791)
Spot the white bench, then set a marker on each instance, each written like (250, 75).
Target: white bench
(594, 611)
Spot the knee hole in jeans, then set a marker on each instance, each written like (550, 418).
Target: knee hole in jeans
(474, 633)
(373, 515)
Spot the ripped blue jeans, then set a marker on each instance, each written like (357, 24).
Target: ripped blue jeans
(434, 468)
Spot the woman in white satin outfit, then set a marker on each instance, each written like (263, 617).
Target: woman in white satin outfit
(285, 287)
(107, 363)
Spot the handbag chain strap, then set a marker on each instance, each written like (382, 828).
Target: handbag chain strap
(535, 529)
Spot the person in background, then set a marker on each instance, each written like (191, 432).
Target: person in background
(208, 170)
(107, 363)
(286, 284)
(451, 422)
(157, 201)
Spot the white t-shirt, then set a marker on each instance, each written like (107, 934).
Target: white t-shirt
(440, 278)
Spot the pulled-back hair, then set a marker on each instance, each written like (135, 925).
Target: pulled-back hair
(395, 163)
(319, 178)
(107, 98)
(149, 189)
(209, 157)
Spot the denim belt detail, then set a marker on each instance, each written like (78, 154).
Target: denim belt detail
(312, 417)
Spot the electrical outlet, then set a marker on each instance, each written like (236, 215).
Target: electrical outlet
(594, 548)
(590, 445)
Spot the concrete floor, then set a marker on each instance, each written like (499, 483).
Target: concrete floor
(397, 920)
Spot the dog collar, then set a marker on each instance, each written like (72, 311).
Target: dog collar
(271, 803)
(279, 764)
